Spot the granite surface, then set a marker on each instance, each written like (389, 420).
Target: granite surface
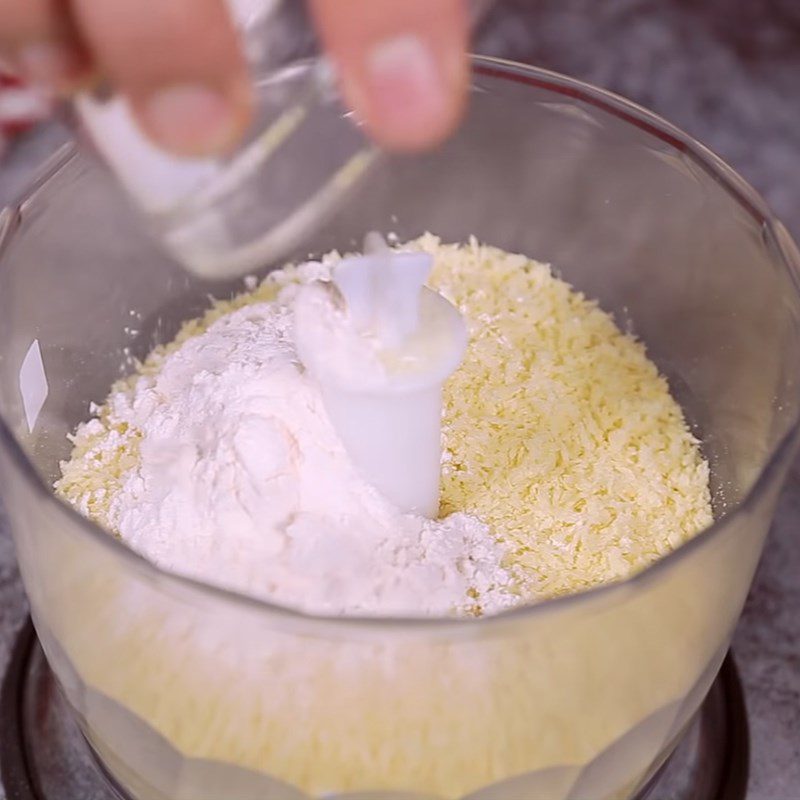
(727, 72)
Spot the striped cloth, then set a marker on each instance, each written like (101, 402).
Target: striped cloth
(20, 106)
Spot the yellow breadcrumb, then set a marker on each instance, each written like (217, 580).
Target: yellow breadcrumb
(559, 433)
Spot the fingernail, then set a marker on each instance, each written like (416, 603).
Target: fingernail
(191, 119)
(48, 64)
(407, 84)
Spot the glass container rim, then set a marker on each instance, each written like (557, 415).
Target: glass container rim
(576, 91)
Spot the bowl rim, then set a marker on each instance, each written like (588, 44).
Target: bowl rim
(773, 469)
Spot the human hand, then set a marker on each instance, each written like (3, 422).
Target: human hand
(402, 63)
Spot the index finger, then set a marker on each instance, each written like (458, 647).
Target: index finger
(403, 65)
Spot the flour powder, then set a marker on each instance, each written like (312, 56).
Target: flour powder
(242, 481)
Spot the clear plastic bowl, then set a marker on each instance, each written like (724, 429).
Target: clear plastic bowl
(188, 692)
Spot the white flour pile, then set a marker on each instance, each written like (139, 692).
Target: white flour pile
(566, 461)
(241, 480)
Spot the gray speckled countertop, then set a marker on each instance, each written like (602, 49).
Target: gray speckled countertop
(727, 72)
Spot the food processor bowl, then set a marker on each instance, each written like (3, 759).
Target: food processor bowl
(190, 692)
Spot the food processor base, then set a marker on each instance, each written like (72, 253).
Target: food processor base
(44, 756)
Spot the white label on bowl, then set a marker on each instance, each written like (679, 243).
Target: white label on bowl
(32, 384)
